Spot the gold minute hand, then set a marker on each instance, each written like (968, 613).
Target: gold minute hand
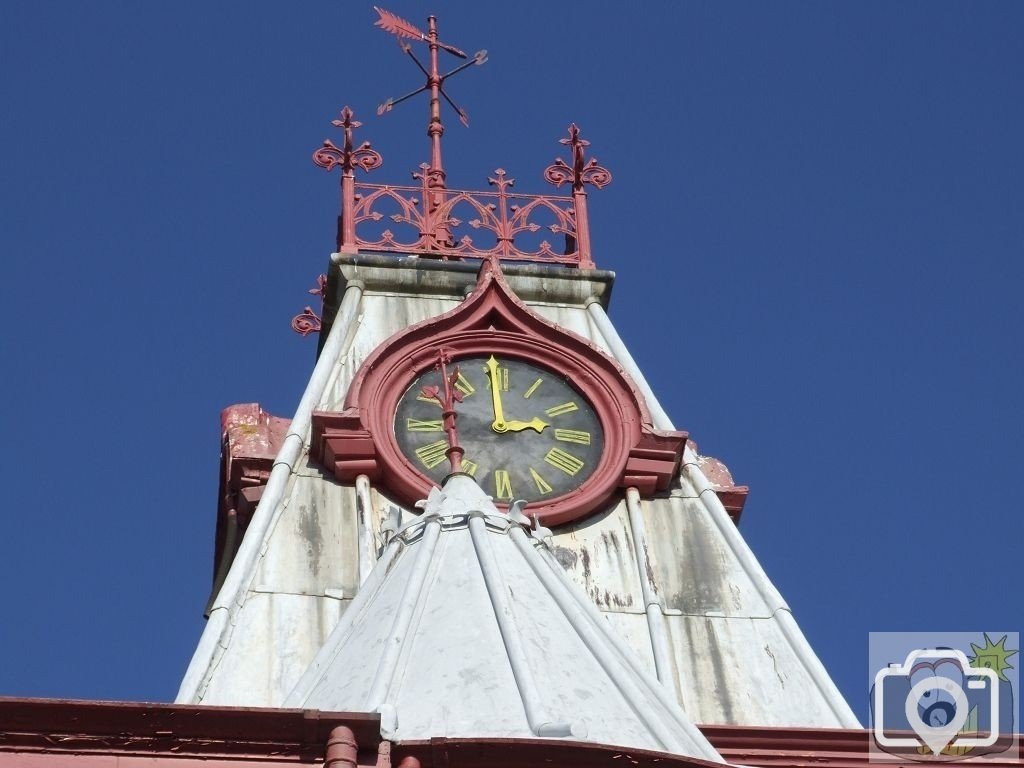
(498, 425)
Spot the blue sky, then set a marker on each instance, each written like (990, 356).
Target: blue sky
(816, 222)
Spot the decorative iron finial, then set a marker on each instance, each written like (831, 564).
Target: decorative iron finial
(308, 321)
(401, 28)
(349, 158)
(581, 172)
(447, 395)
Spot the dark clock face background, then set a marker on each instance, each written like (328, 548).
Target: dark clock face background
(512, 465)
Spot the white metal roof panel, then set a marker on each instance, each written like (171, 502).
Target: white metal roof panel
(315, 541)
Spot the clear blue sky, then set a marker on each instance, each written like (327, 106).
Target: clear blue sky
(816, 221)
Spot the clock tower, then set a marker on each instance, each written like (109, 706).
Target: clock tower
(480, 523)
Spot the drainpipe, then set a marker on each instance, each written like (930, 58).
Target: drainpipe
(652, 601)
(380, 688)
(342, 748)
(367, 552)
(541, 722)
(232, 594)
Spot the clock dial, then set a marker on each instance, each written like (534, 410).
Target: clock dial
(527, 432)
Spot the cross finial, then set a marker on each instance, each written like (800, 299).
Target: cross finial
(403, 30)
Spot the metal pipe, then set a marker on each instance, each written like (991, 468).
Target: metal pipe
(621, 353)
(540, 722)
(342, 748)
(652, 601)
(379, 689)
(626, 654)
(296, 698)
(597, 642)
(367, 552)
(232, 594)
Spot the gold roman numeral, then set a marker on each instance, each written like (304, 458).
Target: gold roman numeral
(424, 399)
(462, 384)
(563, 461)
(558, 410)
(502, 484)
(572, 436)
(470, 467)
(503, 379)
(533, 388)
(432, 454)
(420, 425)
(542, 484)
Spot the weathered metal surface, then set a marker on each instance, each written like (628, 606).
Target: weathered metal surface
(310, 552)
(692, 569)
(734, 661)
(276, 636)
(469, 630)
(597, 553)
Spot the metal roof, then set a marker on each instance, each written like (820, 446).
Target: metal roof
(671, 574)
(468, 626)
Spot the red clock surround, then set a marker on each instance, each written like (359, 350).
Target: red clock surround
(360, 439)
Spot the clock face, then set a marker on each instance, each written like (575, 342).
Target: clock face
(527, 432)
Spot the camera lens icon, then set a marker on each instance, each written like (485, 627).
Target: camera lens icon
(941, 720)
(930, 687)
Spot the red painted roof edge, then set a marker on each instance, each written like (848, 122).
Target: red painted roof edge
(55, 725)
(60, 726)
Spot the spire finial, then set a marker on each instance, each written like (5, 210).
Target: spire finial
(401, 28)
(447, 396)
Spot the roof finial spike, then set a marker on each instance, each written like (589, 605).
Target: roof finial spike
(447, 395)
(401, 28)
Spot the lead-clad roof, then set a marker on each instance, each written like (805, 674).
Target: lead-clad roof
(671, 574)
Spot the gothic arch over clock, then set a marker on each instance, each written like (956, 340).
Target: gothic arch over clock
(545, 415)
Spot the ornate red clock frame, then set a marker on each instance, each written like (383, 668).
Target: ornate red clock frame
(360, 440)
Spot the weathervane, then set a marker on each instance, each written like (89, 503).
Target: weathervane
(434, 221)
(401, 28)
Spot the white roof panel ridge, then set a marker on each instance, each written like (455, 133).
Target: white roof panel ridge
(468, 627)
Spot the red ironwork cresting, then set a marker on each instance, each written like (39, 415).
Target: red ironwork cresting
(439, 221)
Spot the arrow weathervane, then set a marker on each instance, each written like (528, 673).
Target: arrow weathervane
(401, 28)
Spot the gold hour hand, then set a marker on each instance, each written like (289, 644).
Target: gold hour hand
(518, 426)
(499, 424)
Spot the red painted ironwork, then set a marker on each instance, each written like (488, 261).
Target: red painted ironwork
(320, 289)
(360, 439)
(441, 222)
(308, 321)
(348, 158)
(447, 396)
(582, 172)
(433, 174)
